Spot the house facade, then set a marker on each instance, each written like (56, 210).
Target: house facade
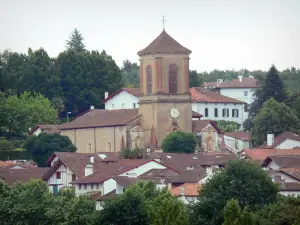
(238, 140)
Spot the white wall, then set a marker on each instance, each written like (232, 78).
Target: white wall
(122, 100)
(83, 191)
(290, 193)
(288, 144)
(238, 93)
(37, 132)
(235, 143)
(109, 186)
(119, 189)
(188, 200)
(143, 169)
(199, 107)
(65, 177)
(272, 165)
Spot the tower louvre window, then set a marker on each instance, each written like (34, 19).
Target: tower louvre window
(173, 79)
(149, 79)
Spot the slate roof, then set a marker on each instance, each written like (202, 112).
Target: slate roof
(125, 181)
(281, 138)
(189, 176)
(204, 95)
(244, 136)
(247, 82)
(164, 44)
(47, 128)
(102, 118)
(284, 161)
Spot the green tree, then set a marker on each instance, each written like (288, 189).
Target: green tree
(241, 180)
(19, 113)
(167, 210)
(234, 215)
(42, 146)
(131, 74)
(85, 76)
(135, 153)
(179, 142)
(75, 42)
(273, 117)
(228, 126)
(195, 79)
(284, 211)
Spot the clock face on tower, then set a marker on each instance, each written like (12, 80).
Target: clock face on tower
(174, 113)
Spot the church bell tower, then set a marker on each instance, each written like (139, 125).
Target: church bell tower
(165, 104)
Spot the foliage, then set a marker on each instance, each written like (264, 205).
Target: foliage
(85, 76)
(195, 79)
(32, 203)
(131, 74)
(75, 42)
(228, 126)
(241, 180)
(135, 153)
(284, 211)
(167, 210)
(273, 117)
(234, 215)
(14, 155)
(142, 203)
(293, 102)
(6, 144)
(42, 146)
(19, 113)
(179, 142)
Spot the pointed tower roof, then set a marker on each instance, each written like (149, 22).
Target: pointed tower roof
(122, 145)
(164, 44)
(153, 138)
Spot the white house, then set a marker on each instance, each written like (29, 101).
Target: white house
(285, 140)
(242, 88)
(214, 106)
(238, 140)
(124, 98)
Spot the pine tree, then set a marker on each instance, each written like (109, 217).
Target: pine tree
(75, 42)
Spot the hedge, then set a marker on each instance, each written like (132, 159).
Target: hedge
(14, 155)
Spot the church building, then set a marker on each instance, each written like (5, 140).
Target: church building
(165, 105)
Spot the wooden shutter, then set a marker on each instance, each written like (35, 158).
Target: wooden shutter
(172, 79)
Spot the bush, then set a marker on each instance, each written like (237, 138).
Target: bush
(6, 144)
(135, 153)
(179, 142)
(228, 126)
(14, 155)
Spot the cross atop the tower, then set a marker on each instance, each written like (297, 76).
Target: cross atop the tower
(164, 21)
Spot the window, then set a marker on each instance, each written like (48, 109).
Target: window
(73, 177)
(97, 186)
(216, 112)
(79, 186)
(58, 175)
(235, 113)
(134, 105)
(123, 105)
(92, 186)
(85, 186)
(149, 80)
(245, 93)
(206, 112)
(173, 79)
(112, 106)
(225, 112)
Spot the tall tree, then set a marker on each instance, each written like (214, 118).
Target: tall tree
(179, 142)
(75, 42)
(85, 77)
(44, 145)
(241, 180)
(195, 79)
(131, 74)
(273, 117)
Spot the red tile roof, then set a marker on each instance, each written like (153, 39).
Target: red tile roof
(189, 189)
(281, 138)
(284, 161)
(134, 91)
(204, 95)
(262, 154)
(164, 44)
(245, 136)
(102, 118)
(247, 82)
(212, 84)
(47, 128)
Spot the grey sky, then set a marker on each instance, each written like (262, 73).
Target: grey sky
(223, 34)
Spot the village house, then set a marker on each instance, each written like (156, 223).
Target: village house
(285, 140)
(238, 140)
(47, 128)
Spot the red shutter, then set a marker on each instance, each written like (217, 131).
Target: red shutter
(57, 175)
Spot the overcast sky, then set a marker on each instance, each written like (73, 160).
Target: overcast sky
(222, 34)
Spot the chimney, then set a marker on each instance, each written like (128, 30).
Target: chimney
(92, 159)
(88, 170)
(182, 190)
(106, 95)
(270, 139)
(240, 78)
(92, 107)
